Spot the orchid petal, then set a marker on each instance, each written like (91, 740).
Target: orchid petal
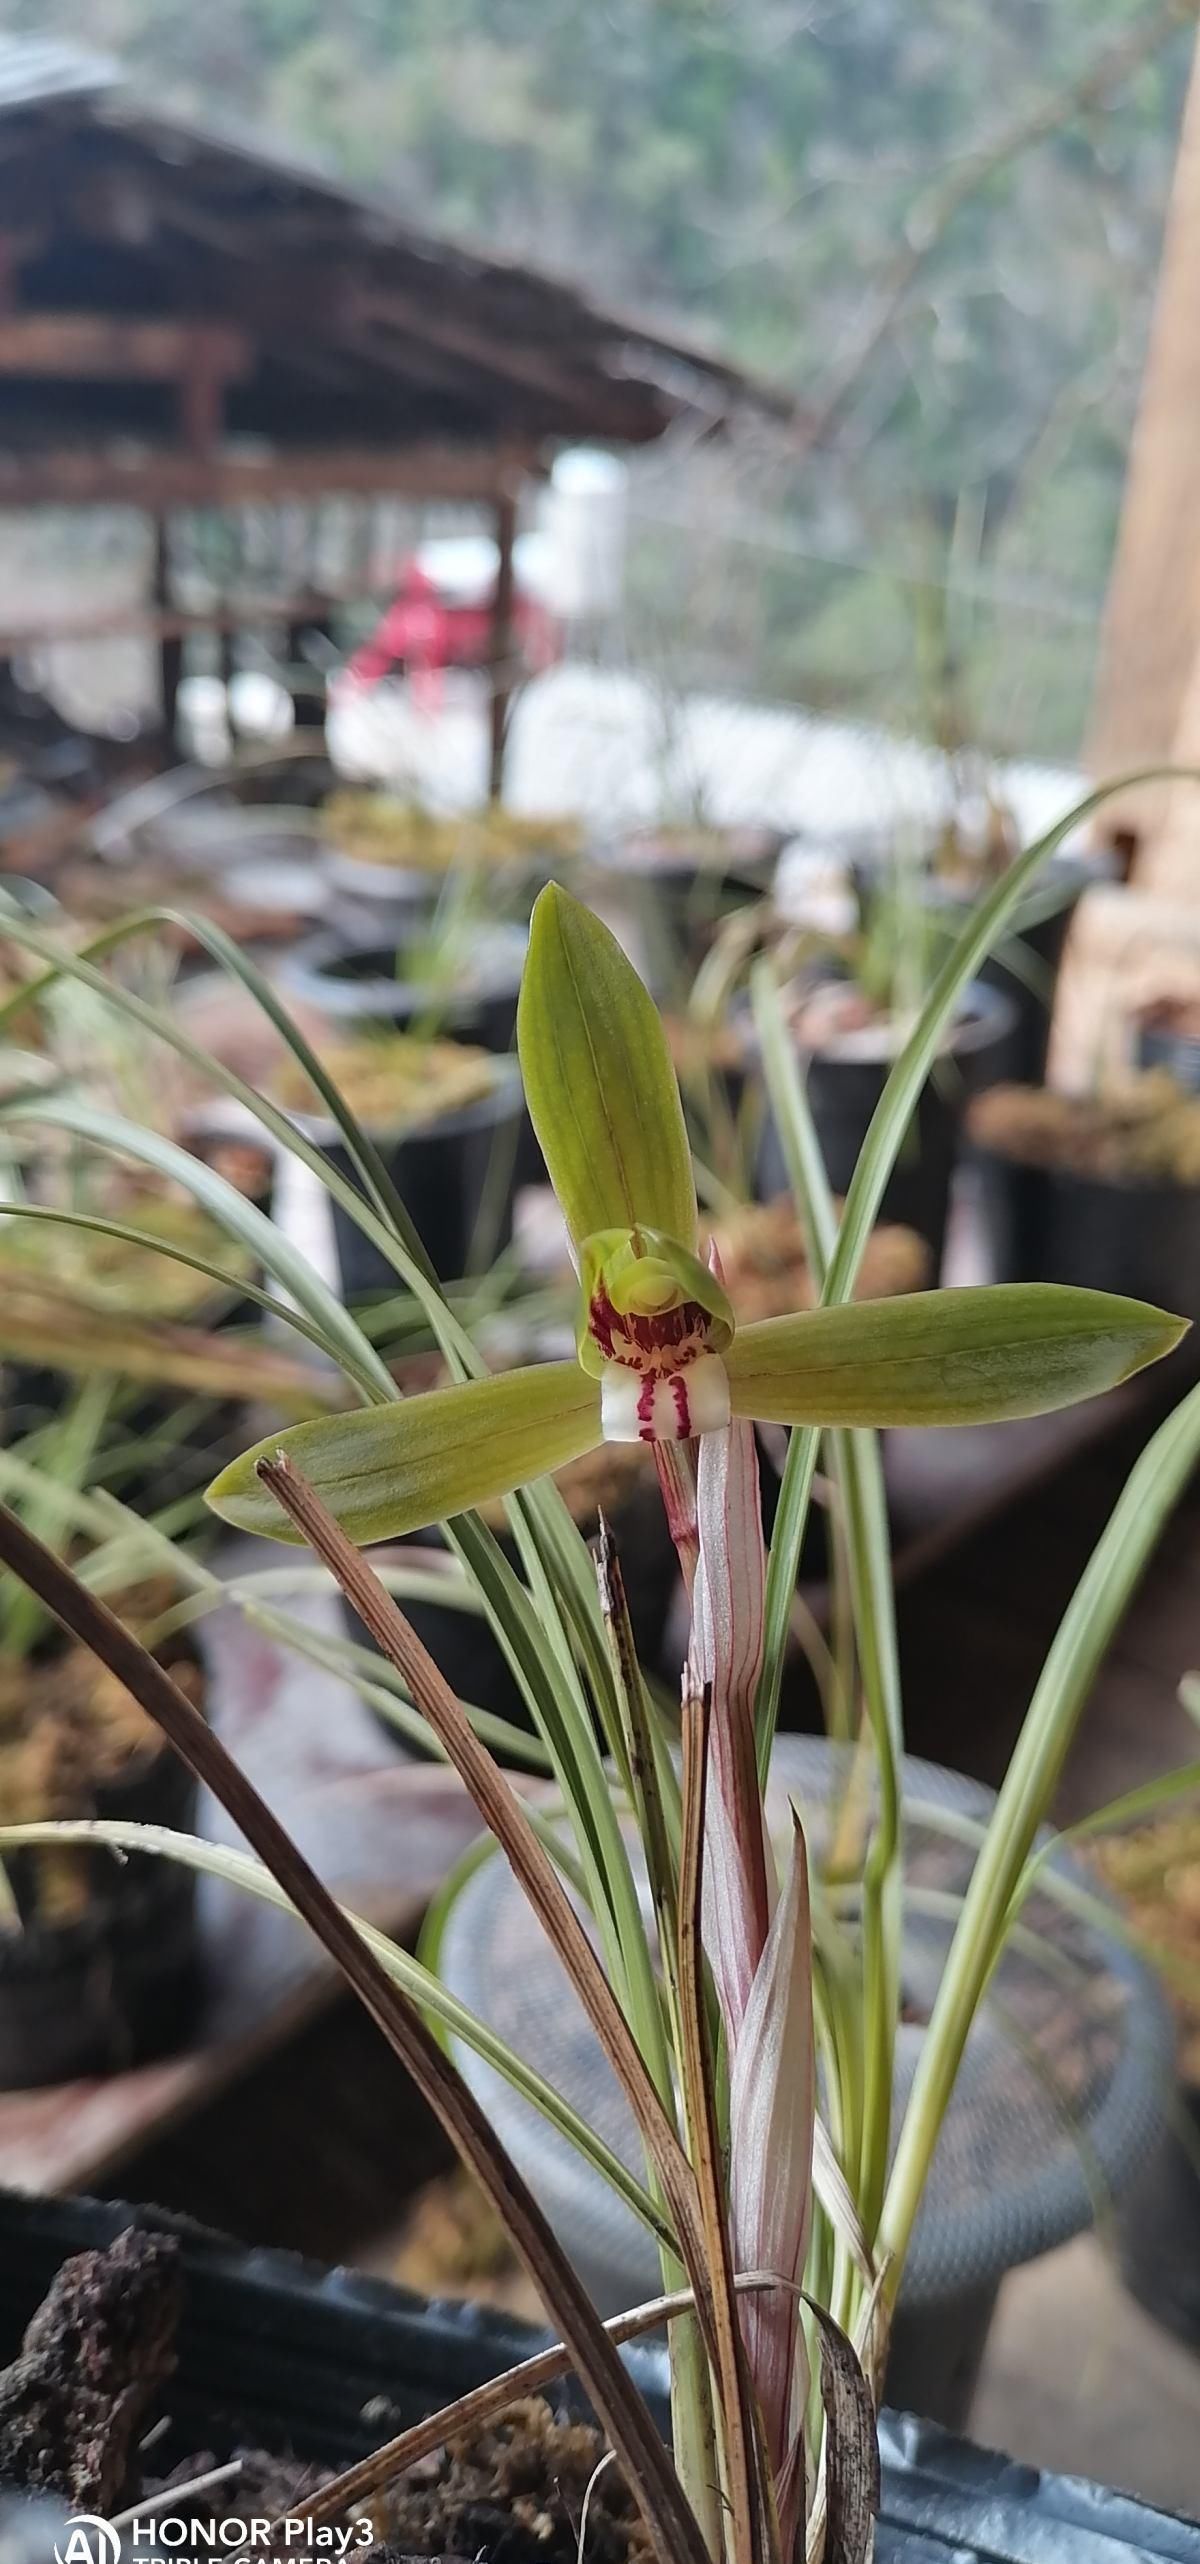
(601, 1090)
(726, 1657)
(771, 2111)
(670, 1406)
(944, 1357)
(384, 1471)
(633, 1282)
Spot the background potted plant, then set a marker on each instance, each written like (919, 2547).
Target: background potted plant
(853, 982)
(390, 854)
(1101, 1187)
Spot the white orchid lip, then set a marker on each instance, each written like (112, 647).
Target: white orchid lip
(664, 1406)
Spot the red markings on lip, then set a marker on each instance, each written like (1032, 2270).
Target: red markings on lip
(651, 1384)
(648, 1343)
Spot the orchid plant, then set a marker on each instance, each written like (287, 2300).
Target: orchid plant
(754, 2041)
(660, 1360)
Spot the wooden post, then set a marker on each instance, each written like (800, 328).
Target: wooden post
(170, 648)
(501, 640)
(1150, 643)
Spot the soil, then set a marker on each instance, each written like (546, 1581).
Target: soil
(68, 1729)
(373, 829)
(514, 2492)
(79, 2399)
(1154, 1871)
(1145, 1131)
(393, 1082)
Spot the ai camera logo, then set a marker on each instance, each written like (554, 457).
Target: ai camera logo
(89, 2541)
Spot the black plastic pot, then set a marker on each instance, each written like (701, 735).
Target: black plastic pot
(1025, 968)
(666, 900)
(120, 1985)
(1158, 2225)
(1046, 1224)
(462, 1645)
(276, 2353)
(355, 982)
(843, 1092)
(456, 1178)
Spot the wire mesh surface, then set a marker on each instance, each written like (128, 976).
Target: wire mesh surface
(1061, 2090)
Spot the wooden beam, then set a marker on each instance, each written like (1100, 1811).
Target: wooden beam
(96, 346)
(580, 386)
(155, 478)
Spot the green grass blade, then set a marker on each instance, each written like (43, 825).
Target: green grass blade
(1087, 1627)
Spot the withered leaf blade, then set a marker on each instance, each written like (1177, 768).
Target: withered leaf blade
(851, 2445)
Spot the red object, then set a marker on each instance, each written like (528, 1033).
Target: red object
(424, 632)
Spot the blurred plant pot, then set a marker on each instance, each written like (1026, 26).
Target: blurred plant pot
(844, 1087)
(456, 1177)
(1056, 2099)
(1158, 2222)
(1173, 1045)
(1050, 1224)
(117, 1984)
(461, 1643)
(666, 890)
(1025, 968)
(356, 983)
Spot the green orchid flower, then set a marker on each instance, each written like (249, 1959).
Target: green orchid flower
(659, 1355)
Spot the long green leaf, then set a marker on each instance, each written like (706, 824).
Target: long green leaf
(1084, 1634)
(858, 1473)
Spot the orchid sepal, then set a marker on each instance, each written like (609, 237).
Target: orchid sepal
(599, 1082)
(977, 1356)
(388, 1470)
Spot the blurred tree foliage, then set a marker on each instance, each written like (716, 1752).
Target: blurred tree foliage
(938, 222)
